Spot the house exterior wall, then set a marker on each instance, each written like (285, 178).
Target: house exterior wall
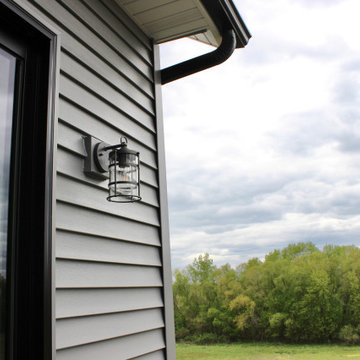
(112, 268)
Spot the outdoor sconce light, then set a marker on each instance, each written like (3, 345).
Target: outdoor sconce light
(117, 163)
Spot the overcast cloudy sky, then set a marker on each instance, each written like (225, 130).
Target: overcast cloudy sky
(264, 150)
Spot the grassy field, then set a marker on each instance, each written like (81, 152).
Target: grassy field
(260, 351)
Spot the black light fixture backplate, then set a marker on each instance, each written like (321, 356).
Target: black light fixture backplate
(96, 162)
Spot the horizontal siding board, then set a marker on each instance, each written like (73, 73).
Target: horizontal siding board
(111, 39)
(86, 274)
(148, 193)
(115, 349)
(120, 30)
(80, 194)
(109, 297)
(83, 123)
(71, 165)
(103, 109)
(71, 139)
(84, 302)
(84, 330)
(92, 248)
(108, 71)
(157, 355)
(149, 176)
(72, 25)
(86, 221)
(97, 84)
(83, 100)
(108, 37)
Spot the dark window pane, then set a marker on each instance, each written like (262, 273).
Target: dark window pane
(7, 81)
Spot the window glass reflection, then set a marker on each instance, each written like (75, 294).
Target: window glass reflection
(7, 81)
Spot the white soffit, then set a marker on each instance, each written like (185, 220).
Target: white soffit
(165, 20)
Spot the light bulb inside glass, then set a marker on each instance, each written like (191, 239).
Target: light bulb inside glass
(124, 175)
(123, 180)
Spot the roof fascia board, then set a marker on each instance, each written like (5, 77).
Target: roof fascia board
(237, 22)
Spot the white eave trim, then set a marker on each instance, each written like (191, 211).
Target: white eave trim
(165, 20)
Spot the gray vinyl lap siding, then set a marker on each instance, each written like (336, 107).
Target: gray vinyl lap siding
(109, 267)
(128, 346)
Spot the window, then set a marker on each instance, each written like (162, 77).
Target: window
(26, 58)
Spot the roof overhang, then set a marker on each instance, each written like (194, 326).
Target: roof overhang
(203, 20)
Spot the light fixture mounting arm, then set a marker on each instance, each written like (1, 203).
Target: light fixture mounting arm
(101, 153)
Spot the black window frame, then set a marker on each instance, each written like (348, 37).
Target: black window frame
(29, 267)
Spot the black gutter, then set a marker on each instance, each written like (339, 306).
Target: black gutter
(225, 16)
(216, 57)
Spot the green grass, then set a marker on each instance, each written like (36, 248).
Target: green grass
(264, 351)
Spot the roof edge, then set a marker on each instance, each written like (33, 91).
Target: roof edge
(226, 16)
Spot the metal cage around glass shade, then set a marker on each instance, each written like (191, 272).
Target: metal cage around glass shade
(124, 174)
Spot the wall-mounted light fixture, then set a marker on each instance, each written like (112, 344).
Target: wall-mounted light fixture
(118, 164)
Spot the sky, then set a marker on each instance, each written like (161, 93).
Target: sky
(264, 149)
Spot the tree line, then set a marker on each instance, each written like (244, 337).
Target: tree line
(298, 294)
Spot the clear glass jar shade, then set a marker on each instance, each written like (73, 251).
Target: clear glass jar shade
(124, 177)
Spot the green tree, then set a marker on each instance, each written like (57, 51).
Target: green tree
(296, 294)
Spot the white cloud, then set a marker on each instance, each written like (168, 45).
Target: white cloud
(257, 239)
(264, 149)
